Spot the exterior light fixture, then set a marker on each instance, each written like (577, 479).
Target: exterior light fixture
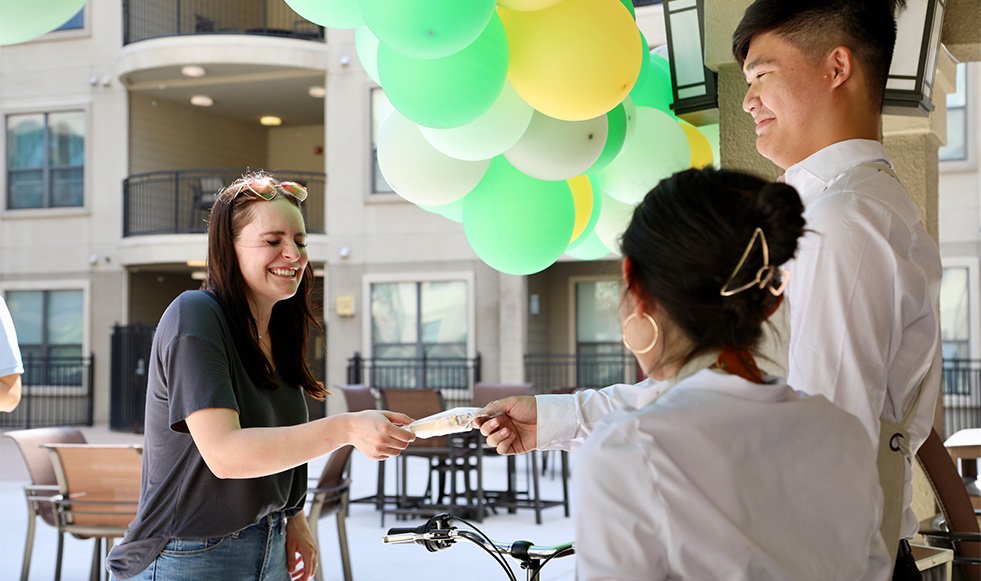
(909, 88)
(193, 71)
(317, 92)
(270, 121)
(693, 86)
(202, 101)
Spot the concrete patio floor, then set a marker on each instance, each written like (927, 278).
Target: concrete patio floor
(370, 558)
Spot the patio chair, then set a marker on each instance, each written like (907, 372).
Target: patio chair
(446, 455)
(44, 483)
(331, 496)
(99, 489)
(512, 498)
(956, 527)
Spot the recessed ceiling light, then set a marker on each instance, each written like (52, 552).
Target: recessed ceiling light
(317, 92)
(199, 275)
(202, 101)
(196, 263)
(270, 120)
(193, 71)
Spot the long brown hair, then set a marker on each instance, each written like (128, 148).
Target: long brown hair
(291, 320)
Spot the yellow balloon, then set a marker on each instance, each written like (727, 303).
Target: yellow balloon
(573, 61)
(582, 197)
(701, 151)
(527, 4)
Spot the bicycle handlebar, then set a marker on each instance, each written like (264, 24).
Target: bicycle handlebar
(443, 538)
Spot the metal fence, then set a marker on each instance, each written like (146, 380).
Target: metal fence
(962, 394)
(453, 376)
(178, 202)
(128, 379)
(146, 19)
(548, 372)
(57, 391)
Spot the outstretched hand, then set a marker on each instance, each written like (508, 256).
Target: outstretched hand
(510, 424)
(378, 434)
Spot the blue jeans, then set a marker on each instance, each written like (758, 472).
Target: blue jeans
(257, 553)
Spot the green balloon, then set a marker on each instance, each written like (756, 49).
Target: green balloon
(452, 211)
(427, 28)
(515, 223)
(366, 45)
(653, 87)
(22, 20)
(450, 91)
(590, 248)
(630, 8)
(331, 13)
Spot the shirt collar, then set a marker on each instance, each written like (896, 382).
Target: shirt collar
(814, 174)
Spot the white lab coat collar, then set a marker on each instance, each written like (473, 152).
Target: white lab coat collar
(812, 175)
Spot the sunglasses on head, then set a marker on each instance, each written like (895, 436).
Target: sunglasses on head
(267, 189)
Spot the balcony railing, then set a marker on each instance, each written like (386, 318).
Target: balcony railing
(549, 372)
(178, 202)
(146, 19)
(962, 394)
(452, 376)
(57, 391)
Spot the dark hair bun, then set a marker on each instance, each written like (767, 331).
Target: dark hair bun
(781, 219)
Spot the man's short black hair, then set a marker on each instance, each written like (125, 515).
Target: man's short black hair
(866, 27)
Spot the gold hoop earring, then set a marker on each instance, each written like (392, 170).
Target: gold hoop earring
(657, 333)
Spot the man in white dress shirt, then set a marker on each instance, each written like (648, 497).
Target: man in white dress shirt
(11, 367)
(864, 294)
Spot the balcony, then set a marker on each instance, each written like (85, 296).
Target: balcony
(146, 19)
(178, 202)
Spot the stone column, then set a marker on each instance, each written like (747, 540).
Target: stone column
(513, 325)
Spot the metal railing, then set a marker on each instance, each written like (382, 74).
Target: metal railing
(962, 394)
(453, 376)
(146, 19)
(128, 379)
(178, 202)
(548, 372)
(56, 391)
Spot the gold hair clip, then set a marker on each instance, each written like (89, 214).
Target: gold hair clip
(764, 276)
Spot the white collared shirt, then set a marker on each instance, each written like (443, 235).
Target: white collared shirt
(10, 361)
(720, 478)
(864, 295)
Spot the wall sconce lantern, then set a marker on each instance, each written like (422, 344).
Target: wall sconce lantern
(693, 86)
(909, 88)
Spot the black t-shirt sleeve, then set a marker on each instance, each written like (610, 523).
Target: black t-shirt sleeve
(198, 377)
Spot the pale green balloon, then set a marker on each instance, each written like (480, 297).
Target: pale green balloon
(366, 44)
(452, 211)
(22, 20)
(427, 28)
(490, 135)
(450, 91)
(613, 221)
(515, 223)
(657, 149)
(330, 13)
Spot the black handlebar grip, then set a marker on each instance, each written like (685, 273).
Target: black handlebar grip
(409, 530)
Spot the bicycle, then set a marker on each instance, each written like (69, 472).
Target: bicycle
(437, 533)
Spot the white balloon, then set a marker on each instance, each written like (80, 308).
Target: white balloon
(614, 218)
(657, 149)
(417, 171)
(490, 135)
(553, 150)
(366, 45)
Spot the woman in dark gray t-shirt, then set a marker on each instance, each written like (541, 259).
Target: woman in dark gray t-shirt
(226, 436)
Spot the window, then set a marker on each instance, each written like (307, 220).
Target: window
(45, 160)
(600, 354)
(421, 329)
(49, 327)
(380, 109)
(76, 22)
(955, 319)
(956, 148)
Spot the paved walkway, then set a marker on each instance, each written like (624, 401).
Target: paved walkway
(371, 559)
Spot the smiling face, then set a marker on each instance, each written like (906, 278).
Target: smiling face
(788, 98)
(271, 252)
